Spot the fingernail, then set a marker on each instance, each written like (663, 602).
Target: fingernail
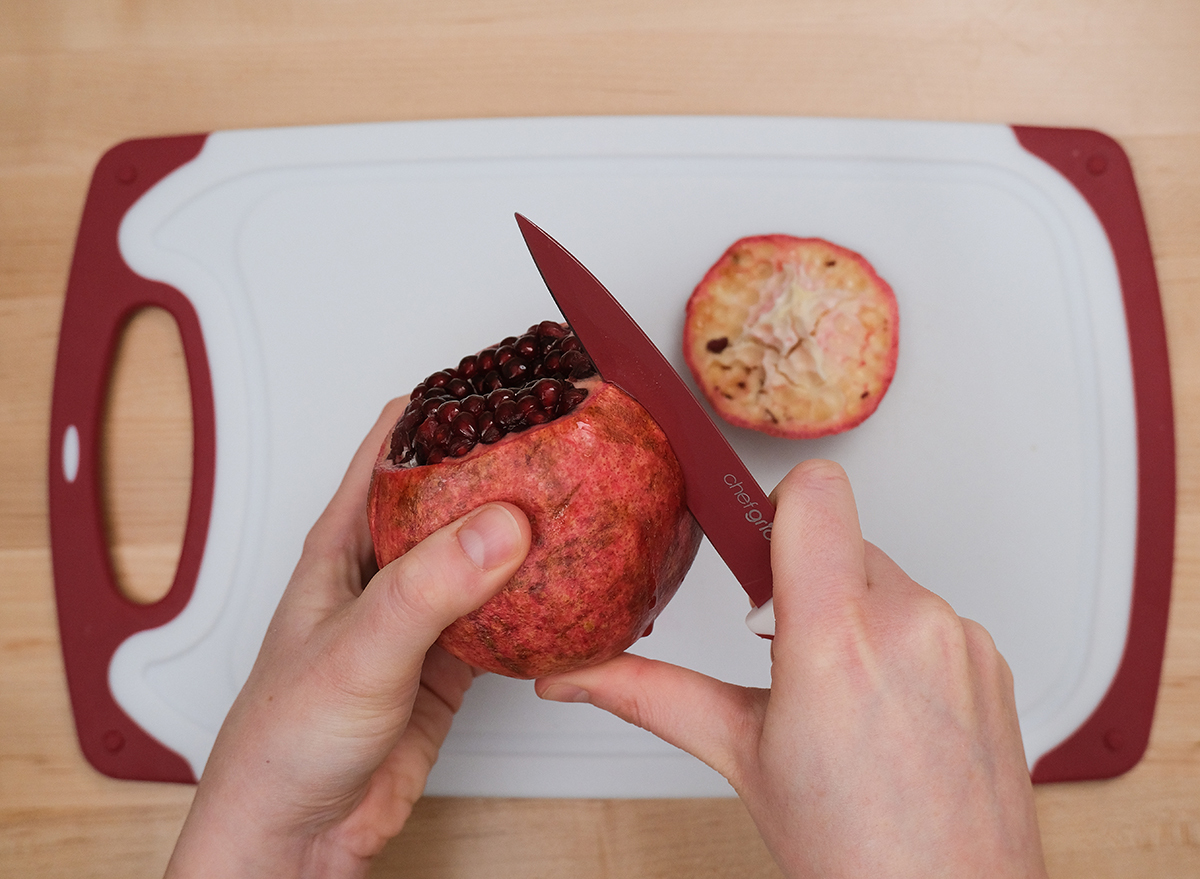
(564, 693)
(490, 537)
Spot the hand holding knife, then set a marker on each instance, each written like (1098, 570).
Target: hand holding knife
(732, 509)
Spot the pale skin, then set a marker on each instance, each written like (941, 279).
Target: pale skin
(887, 745)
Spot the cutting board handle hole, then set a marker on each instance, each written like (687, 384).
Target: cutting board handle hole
(146, 455)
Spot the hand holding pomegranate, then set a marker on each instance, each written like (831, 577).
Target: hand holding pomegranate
(888, 743)
(329, 744)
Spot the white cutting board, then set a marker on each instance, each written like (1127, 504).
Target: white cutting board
(332, 268)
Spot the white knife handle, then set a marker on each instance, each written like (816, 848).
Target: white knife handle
(761, 620)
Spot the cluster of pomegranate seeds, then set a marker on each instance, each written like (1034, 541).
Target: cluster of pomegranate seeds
(523, 381)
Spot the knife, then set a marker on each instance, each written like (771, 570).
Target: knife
(733, 511)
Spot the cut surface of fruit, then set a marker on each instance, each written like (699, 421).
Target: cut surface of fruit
(794, 337)
(524, 381)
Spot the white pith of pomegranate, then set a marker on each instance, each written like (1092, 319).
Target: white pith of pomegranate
(612, 537)
(794, 337)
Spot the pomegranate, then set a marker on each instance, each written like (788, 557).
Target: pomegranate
(794, 337)
(530, 422)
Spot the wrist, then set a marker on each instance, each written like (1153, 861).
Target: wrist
(214, 852)
(219, 839)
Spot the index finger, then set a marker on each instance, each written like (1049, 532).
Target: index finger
(817, 548)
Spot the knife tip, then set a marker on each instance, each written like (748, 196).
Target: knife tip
(529, 230)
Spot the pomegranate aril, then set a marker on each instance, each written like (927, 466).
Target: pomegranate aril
(468, 366)
(508, 416)
(514, 370)
(447, 411)
(571, 398)
(527, 405)
(439, 379)
(489, 431)
(401, 446)
(458, 388)
(435, 456)
(549, 332)
(459, 446)
(441, 434)
(464, 426)
(527, 345)
(569, 362)
(485, 361)
(474, 404)
(489, 383)
(505, 353)
(411, 421)
(548, 391)
(424, 434)
(498, 396)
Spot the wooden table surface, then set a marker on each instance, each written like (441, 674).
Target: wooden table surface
(77, 77)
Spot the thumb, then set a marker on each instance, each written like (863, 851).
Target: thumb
(450, 573)
(716, 722)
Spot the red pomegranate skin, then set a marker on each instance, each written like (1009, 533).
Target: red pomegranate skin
(612, 537)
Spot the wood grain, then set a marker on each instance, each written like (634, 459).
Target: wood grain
(77, 77)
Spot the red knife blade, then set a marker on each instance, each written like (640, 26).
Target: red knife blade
(726, 500)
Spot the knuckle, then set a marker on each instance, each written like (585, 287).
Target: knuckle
(938, 632)
(414, 592)
(944, 623)
(985, 654)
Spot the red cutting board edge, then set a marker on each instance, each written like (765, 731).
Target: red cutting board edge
(1114, 738)
(94, 617)
(103, 294)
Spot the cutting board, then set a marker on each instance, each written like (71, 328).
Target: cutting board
(1021, 465)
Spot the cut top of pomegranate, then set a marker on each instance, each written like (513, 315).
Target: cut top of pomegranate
(794, 337)
(523, 381)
